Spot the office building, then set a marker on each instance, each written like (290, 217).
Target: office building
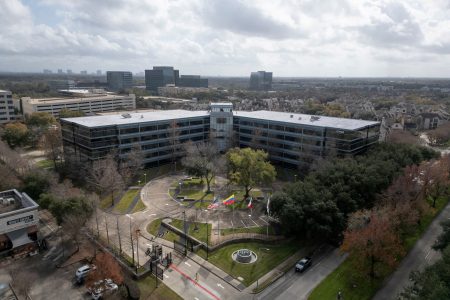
(19, 221)
(7, 109)
(56, 85)
(261, 81)
(290, 139)
(69, 71)
(192, 81)
(83, 72)
(47, 71)
(119, 80)
(99, 72)
(160, 76)
(87, 102)
(60, 71)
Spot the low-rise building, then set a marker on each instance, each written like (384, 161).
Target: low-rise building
(19, 221)
(88, 103)
(290, 139)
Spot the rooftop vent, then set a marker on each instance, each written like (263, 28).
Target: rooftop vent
(142, 116)
(292, 116)
(299, 118)
(314, 118)
(126, 116)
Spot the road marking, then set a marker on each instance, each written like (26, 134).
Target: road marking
(152, 214)
(167, 203)
(194, 282)
(196, 298)
(166, 276)
(426, 256)
(219, 285)
(254, 222)
(186, 263)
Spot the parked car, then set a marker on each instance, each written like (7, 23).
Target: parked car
(303, 264)
(101, 288)
(82, 272)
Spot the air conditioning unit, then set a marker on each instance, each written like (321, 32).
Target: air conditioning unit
(10, 201)
(126, 115)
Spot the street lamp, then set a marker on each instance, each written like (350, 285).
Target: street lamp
(207, 234)
(295, 177)
(139, 183)
(145, 178)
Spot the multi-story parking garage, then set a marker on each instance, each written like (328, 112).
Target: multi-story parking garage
(290, 139)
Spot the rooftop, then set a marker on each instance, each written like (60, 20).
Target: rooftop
(221, 104)
(302, 119)
(140, 117)
(12, 201)
(60, 100)
(3, 91)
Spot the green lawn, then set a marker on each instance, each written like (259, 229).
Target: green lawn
(139, 206)
(125, 201)
(239, 194)
(105, 202)
(199, 234)
(267, 259)
(260, 230)
(45, 164)
(153, 229)
(345, 276)
(148, 289)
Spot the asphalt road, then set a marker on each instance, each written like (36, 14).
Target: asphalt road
(298, 286)
(418, 258)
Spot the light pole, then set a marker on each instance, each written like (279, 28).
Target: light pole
(131, 238)
(139, 183)
(138, 231)
(295, 177)
(207, 234)
(145, 178)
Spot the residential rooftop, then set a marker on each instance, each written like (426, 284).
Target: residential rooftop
(302, 119)
(131, 118)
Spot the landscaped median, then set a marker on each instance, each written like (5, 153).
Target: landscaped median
(356, 286)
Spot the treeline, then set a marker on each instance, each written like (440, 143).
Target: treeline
(318, 206)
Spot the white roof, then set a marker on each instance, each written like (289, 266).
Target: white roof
(3, 91)
(302, 119)
(135, 117)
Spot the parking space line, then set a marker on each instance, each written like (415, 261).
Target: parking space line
(265, 222)
(244, 224)
(255, 223)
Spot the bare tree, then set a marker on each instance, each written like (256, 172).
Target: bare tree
(106, 177)
(203, 160)
(132, 163)
(72, 225)
(51, 143)
(22, 281)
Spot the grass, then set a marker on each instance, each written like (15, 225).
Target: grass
(260, 230)
(126, 200)
(45, 164)
(345, 276)
(267, 259)
(199, 234)
(148, 289)
(139, 206)
(239, 194)
(105, 202)
(153, 228)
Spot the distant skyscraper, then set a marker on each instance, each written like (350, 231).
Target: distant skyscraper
(261, 81)
(119, 80)
(192, 81)
(60, 71)
(160, 76)
(69, 71)
(47, 71)
(61, 84)
(83, 72)
(99, 72)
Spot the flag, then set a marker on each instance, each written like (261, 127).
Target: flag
(268, 206)
(213, 205)
(229, 200)
(250, 204)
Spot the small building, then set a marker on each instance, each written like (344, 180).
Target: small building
(19, 221)
(7, 108)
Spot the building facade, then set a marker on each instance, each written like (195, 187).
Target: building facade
(56, 85)
(119, 80)
(261, 81)
(194, 81)
(158, 135)
(290, 139)
(7, 109)
(89, 104)
(160, 76)
(19, 221)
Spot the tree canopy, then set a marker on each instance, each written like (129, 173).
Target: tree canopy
(15, 134)
(248, 168)
(67, 113)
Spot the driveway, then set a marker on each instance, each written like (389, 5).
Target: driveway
(418, 258)
(298, 286)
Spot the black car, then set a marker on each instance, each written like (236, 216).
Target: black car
(303, 264)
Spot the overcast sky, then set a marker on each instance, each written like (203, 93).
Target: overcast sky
(229, 37)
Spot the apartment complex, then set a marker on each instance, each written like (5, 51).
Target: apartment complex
(87, 102)
(290, 139)
(19, 221)
(119, 80)
(7, 109)
(261, 81)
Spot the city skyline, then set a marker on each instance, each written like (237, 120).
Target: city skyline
(212, 38)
